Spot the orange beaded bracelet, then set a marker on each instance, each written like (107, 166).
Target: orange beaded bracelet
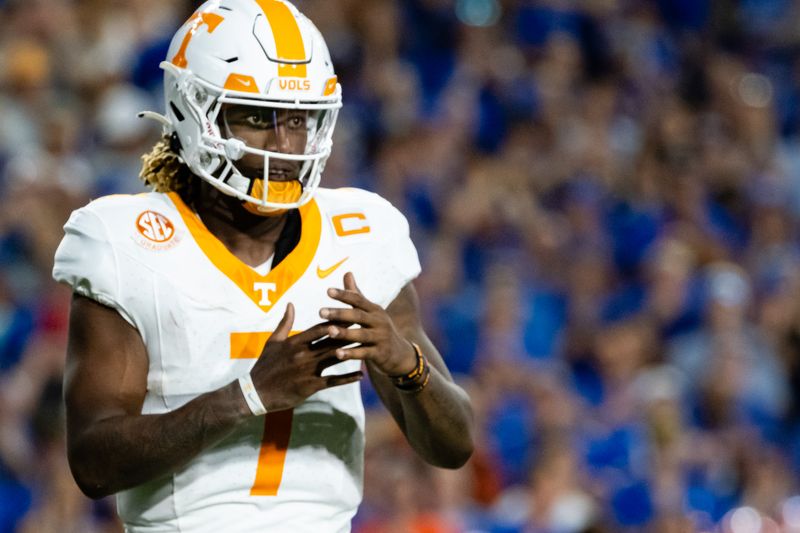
(418, 378)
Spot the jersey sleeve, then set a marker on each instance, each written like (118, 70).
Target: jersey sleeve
(402, 251)
(399, 253)
(86, 261)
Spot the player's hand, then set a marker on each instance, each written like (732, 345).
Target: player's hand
(378, 340)
(289, 368)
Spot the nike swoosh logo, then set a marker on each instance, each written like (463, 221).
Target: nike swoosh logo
(244, 82)
(325, 272)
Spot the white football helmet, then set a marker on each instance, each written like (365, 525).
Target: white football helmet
(250, 83)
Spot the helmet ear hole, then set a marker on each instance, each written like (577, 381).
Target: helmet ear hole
(177, 112)
(175, 143)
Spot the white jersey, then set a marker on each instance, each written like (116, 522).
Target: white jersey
(204, 317)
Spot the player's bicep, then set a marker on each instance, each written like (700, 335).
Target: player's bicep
(106, 371)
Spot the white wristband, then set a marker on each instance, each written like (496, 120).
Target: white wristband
(251, 395)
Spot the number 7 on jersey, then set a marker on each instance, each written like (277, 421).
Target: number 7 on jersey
(277, 425)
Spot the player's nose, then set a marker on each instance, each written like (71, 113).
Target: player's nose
(279, 140)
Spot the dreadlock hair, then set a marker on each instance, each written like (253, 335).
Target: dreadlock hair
(163, 169)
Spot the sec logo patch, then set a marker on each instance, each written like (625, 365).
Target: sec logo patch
(155, 231)
(155, 226)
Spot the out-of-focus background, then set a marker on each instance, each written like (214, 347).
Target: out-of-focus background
(605, 195)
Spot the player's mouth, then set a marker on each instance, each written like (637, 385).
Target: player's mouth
(278, 171)
(281, 173)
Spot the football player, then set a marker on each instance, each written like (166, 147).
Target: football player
(219, 324)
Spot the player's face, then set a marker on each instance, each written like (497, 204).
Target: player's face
(276, 130)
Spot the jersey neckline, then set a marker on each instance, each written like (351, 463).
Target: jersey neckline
(264, 290)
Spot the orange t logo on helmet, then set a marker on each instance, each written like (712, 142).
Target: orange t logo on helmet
(211, 20)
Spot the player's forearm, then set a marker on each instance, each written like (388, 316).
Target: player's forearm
(437, 422)
(122, 452)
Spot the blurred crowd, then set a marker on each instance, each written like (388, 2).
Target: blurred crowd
(605, 196)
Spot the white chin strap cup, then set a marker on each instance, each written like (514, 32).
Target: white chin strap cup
(234, 149)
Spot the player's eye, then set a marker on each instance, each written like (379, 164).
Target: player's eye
(296, 122)
(260, 119)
